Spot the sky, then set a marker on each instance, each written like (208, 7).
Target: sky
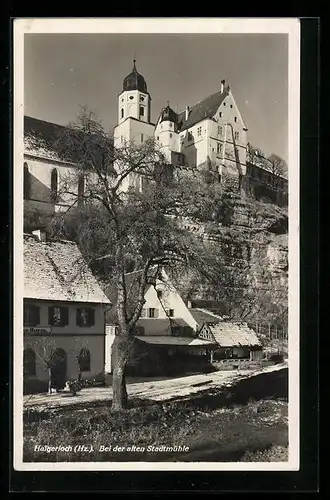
(65, 71)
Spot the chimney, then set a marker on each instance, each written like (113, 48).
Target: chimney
(222, 88)
(40, 234)
(187, 112)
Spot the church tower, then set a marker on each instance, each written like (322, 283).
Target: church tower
(134, 111)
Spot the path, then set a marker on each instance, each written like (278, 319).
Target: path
(156, 390)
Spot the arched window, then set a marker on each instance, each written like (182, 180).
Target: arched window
(54, 185)
(84, 360)
(29, 359)
(81, 190)
(26, 181)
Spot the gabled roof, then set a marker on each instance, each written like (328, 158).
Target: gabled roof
(233, 334)
(57, 271)
(203, 109)
(41, 137)
(203, 316)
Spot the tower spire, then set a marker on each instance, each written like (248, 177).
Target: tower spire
(134, 61)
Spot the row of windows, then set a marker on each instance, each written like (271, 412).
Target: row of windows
(199, 133)
(29, 360)
(152, 312)
(58, 316)
(53, 184)
(132, 97)
(141, 112)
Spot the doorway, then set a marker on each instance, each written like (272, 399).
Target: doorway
(58, 367)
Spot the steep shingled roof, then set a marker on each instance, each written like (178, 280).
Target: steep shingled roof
(203, 109)
(41, 137)
(57, 271)
(233, 334)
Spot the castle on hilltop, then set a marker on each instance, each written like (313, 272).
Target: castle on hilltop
(209, 135)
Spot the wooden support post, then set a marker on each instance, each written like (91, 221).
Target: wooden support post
(211, 357)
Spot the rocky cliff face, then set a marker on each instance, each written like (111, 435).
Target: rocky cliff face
(251, 245)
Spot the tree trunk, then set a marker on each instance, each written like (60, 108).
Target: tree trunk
(120, 355)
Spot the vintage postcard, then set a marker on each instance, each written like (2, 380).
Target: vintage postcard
(156, 230)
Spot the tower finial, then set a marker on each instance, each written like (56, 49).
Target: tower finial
(134, 60)
(168, 103)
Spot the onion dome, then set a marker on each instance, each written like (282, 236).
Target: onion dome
(135, 81)
(168, 114)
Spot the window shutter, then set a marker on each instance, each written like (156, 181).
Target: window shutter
(78, 317)
(91, 317)
(156, 313)
(50, 315)
(65, 316)
(36, 315)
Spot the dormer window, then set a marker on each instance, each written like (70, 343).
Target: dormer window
(235, 119)
(225, 103)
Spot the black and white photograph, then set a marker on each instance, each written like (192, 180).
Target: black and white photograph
(156, 223)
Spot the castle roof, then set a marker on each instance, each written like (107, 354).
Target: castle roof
(202, 109)
(167, 114)
(135, 81)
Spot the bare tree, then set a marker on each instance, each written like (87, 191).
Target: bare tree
(127, 220)
(278, 168)
(44, 348)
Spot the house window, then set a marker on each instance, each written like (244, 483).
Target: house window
(85, 316)
(141, 98)
(131, 97)
(121, 138)
(171, 125)
(152, 312)
(141, 137)
(27, 184)
(219, 148)
(220, 114)
(122, 112)
(231, 105)
(58, 316)
(219, 130)
(84, 360)
(31, 315)
(54, 185)
(157, 137)
(224, 103)
(170, 313)
(29, 362)
(236, 136)
(235, 119)
(171, 135)
(141, 111)
(199, 131)
(81, 190)
(190, 136)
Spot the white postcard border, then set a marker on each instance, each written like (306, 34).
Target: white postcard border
(290, 26)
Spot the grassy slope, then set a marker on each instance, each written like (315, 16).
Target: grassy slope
(248, 423)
